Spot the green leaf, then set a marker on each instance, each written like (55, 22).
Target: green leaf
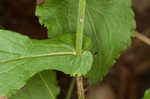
(42, 86)
(69, 38)
(109, 23)
(21, 58)
(147, 94)
(46, 12)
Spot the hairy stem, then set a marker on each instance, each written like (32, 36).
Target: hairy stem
(79, 43)
(71, 87)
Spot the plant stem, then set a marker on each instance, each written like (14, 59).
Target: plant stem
(79, 43)
(80, 26)
(71, 87)
(80, 88)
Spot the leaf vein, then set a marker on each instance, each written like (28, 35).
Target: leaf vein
(46, 85)
(36, 56)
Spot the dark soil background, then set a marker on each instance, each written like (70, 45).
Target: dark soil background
(128, 78)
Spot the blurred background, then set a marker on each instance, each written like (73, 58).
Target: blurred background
(128, 78)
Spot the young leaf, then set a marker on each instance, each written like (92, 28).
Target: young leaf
(21, 58)
(109, 23)
(147, 94)
(42, 86)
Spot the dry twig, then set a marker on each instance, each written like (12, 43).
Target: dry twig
(143, 38)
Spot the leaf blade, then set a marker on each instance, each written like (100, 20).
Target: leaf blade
(36, 88)
(147, 94)
(109, 23)
(35, 56)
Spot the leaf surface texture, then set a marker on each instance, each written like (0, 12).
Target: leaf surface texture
(22, 57)
(109, 23)
(41, 86)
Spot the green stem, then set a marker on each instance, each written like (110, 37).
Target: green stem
(71, 87)
(79, 43)
(80, 26)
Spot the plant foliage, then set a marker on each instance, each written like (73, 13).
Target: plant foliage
(42, 86)
(147, 94)
(21, 60)
(109, 25)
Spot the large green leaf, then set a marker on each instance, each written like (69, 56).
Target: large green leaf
(21, 58)
(42, 86)
(109, 23)
(147, 94)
